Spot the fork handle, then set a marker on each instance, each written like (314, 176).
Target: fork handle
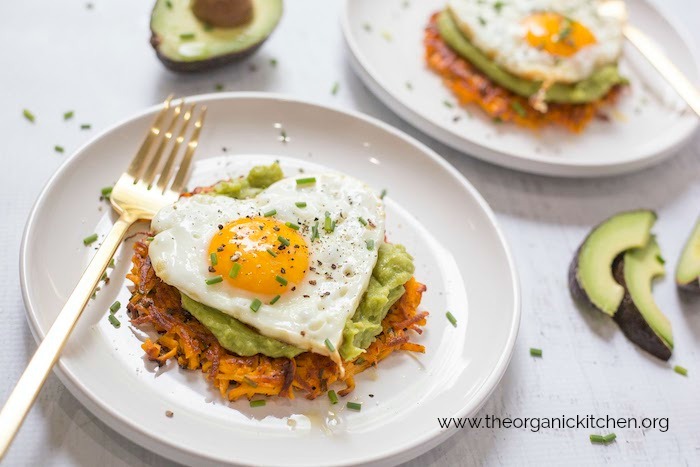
(23, 395)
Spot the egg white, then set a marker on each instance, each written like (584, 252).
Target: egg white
(500, 34)
(342, 261)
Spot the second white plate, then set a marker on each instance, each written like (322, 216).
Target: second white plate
(386, 48)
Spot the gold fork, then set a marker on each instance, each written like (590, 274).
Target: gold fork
(617, 9)
(134, 197)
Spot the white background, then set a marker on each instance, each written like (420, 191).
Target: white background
(59, 56)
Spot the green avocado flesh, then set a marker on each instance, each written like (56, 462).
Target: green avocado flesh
(688, 269)
(593, 88)
(614, 236)
(236, 336)
(394, 267)
(179, 36)
(641, 266)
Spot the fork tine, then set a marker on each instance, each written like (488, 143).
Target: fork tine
(181, 177)
(150, 173)
(136, 164)
(167, 171)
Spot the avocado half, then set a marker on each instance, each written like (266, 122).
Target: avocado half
(688, 269)
(613, 270)
(638, 316)
(185, 43)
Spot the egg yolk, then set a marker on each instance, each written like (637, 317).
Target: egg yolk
(556, 34)
(260, 255)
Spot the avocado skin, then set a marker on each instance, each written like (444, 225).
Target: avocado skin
(200, 65)
(631, 322)
(693, 286)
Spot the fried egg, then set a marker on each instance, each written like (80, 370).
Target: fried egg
(541, 40)
(293, 262)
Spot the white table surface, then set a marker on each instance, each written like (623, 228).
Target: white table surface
(59, 56)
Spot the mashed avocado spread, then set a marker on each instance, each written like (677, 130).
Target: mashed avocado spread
(393, 269)
(593, 88)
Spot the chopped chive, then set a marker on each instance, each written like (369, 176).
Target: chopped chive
(599, 439)
(306, 181)
(300, 204)
(448, 104)
(274, 299)
(68, 115)
(111, 263)
(498, 6)
(258, 403)
(188, 36)
(451, 318)
(482, 21)
(90, 239)
(283, 240)
(518, 108)
(362, 221)
(85, 126)
(114, 321)
(269, 213)
(383, 194)
(328, 223)
(333, 397)
(354, 406)
(680, 370)
(272, 253)
(535, 352)
(103, 277)
(168, 3)
(273, 62)
(370, 244)
(255, 304)
(106, 191)
(359, 361)
(335, 88)
(218, 87)
(250, 382)
(367, 27)
(115, 306)
(387, 36)
(660, 259)
(234, 270)
(59, 149)
(213, 280)
(28, 115)
(292, 225)
(314, 231)
(281, 280)
(150, 239)
(330, 345)
(409, 86)
(214, 259)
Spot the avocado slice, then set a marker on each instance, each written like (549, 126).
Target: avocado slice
(688, 269)
(638, 316)
(591, 271)
(185, 43)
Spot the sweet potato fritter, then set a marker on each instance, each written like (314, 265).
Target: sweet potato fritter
(470, 85)
(185, 339)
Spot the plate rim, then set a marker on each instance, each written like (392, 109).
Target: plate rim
(122, 425)
(539, 165)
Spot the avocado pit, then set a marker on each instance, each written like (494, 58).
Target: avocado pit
(223, 13)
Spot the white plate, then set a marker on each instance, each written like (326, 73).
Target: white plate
(651, 122)
(460, 254)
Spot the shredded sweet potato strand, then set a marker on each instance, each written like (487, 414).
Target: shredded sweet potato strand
(471, 86)
(182, 337)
